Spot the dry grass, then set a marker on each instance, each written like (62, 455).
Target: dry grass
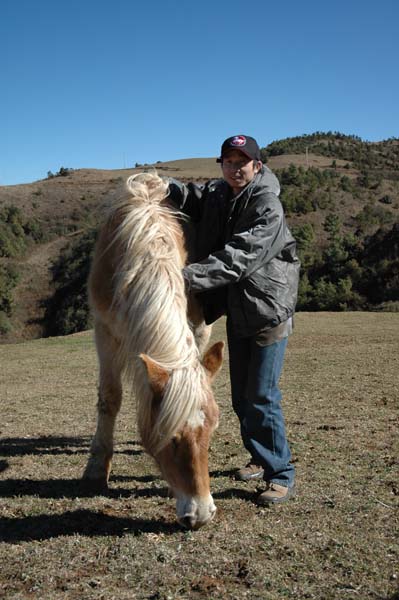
(336, 539)
(85, 189)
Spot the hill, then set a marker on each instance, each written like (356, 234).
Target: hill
(340, 194)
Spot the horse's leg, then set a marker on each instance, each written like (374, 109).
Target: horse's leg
(109, 402)
(201, 331)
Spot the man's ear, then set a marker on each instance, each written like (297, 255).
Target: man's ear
(213, 359)
(258, 166)
(157, 376)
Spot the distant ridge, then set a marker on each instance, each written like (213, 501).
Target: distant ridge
(337, 190)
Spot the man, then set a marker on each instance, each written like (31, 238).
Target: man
(246, 267)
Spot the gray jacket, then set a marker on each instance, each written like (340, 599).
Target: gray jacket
(245, 261)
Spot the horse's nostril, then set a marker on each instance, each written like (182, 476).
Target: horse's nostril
(188, 522)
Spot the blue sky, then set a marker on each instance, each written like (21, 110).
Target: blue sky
(107, 83)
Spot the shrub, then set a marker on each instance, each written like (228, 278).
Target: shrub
(340, 296)
(14, 231)
(296, 201)
(5, 325)
(332, 225)
(34, 230)
(68, 311)
(346, 183)
(63, 172)
(373, 215)
(392, 306)
(8, 280)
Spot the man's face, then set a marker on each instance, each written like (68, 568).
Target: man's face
(238, 170)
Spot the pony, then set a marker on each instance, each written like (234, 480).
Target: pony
(146, 328)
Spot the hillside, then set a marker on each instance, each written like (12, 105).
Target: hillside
(337, 190)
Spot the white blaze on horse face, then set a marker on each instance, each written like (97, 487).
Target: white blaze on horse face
(193, 511)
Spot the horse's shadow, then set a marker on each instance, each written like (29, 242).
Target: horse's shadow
(65, 488)
(74, 488)
(83, 521)
(53, 445)
(4, 464)
(87, 523)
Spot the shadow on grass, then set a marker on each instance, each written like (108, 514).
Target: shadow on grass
(53, 445)
(70, 488)
(223, 473)
(235, 493)
(3, 465)
(43, 445)
(80, 522)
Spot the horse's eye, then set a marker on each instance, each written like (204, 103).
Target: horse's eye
(175, 444)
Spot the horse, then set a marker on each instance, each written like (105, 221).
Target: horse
(143, 330)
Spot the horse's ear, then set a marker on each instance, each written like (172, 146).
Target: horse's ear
(157, 376)
(213, 358)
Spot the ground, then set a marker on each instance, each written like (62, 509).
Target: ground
(336, 539)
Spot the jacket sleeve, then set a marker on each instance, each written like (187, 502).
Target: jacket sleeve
(187, 198)
(259, 237)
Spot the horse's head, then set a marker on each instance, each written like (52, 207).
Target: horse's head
(183, 460)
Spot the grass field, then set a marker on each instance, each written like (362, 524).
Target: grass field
(338, 538)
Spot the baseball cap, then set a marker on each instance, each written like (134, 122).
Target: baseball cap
(245, 144)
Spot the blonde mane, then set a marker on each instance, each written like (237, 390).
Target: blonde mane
(150, 301)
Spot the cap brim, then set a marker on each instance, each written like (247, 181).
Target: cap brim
(220, 159)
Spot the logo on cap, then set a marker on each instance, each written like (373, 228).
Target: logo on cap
(238, 140)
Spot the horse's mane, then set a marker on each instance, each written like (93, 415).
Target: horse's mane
(150, 301)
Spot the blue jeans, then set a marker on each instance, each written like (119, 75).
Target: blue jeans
(254, 375)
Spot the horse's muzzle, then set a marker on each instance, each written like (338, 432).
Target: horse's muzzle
(193, 513)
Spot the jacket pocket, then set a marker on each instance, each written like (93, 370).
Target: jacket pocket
(271, 292)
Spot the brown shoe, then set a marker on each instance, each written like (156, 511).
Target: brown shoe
(274, 494)
(250, 471)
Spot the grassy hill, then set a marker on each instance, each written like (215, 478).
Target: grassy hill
(337, 190)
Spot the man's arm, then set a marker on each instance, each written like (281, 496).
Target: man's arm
(187, 198)
(244, 253)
